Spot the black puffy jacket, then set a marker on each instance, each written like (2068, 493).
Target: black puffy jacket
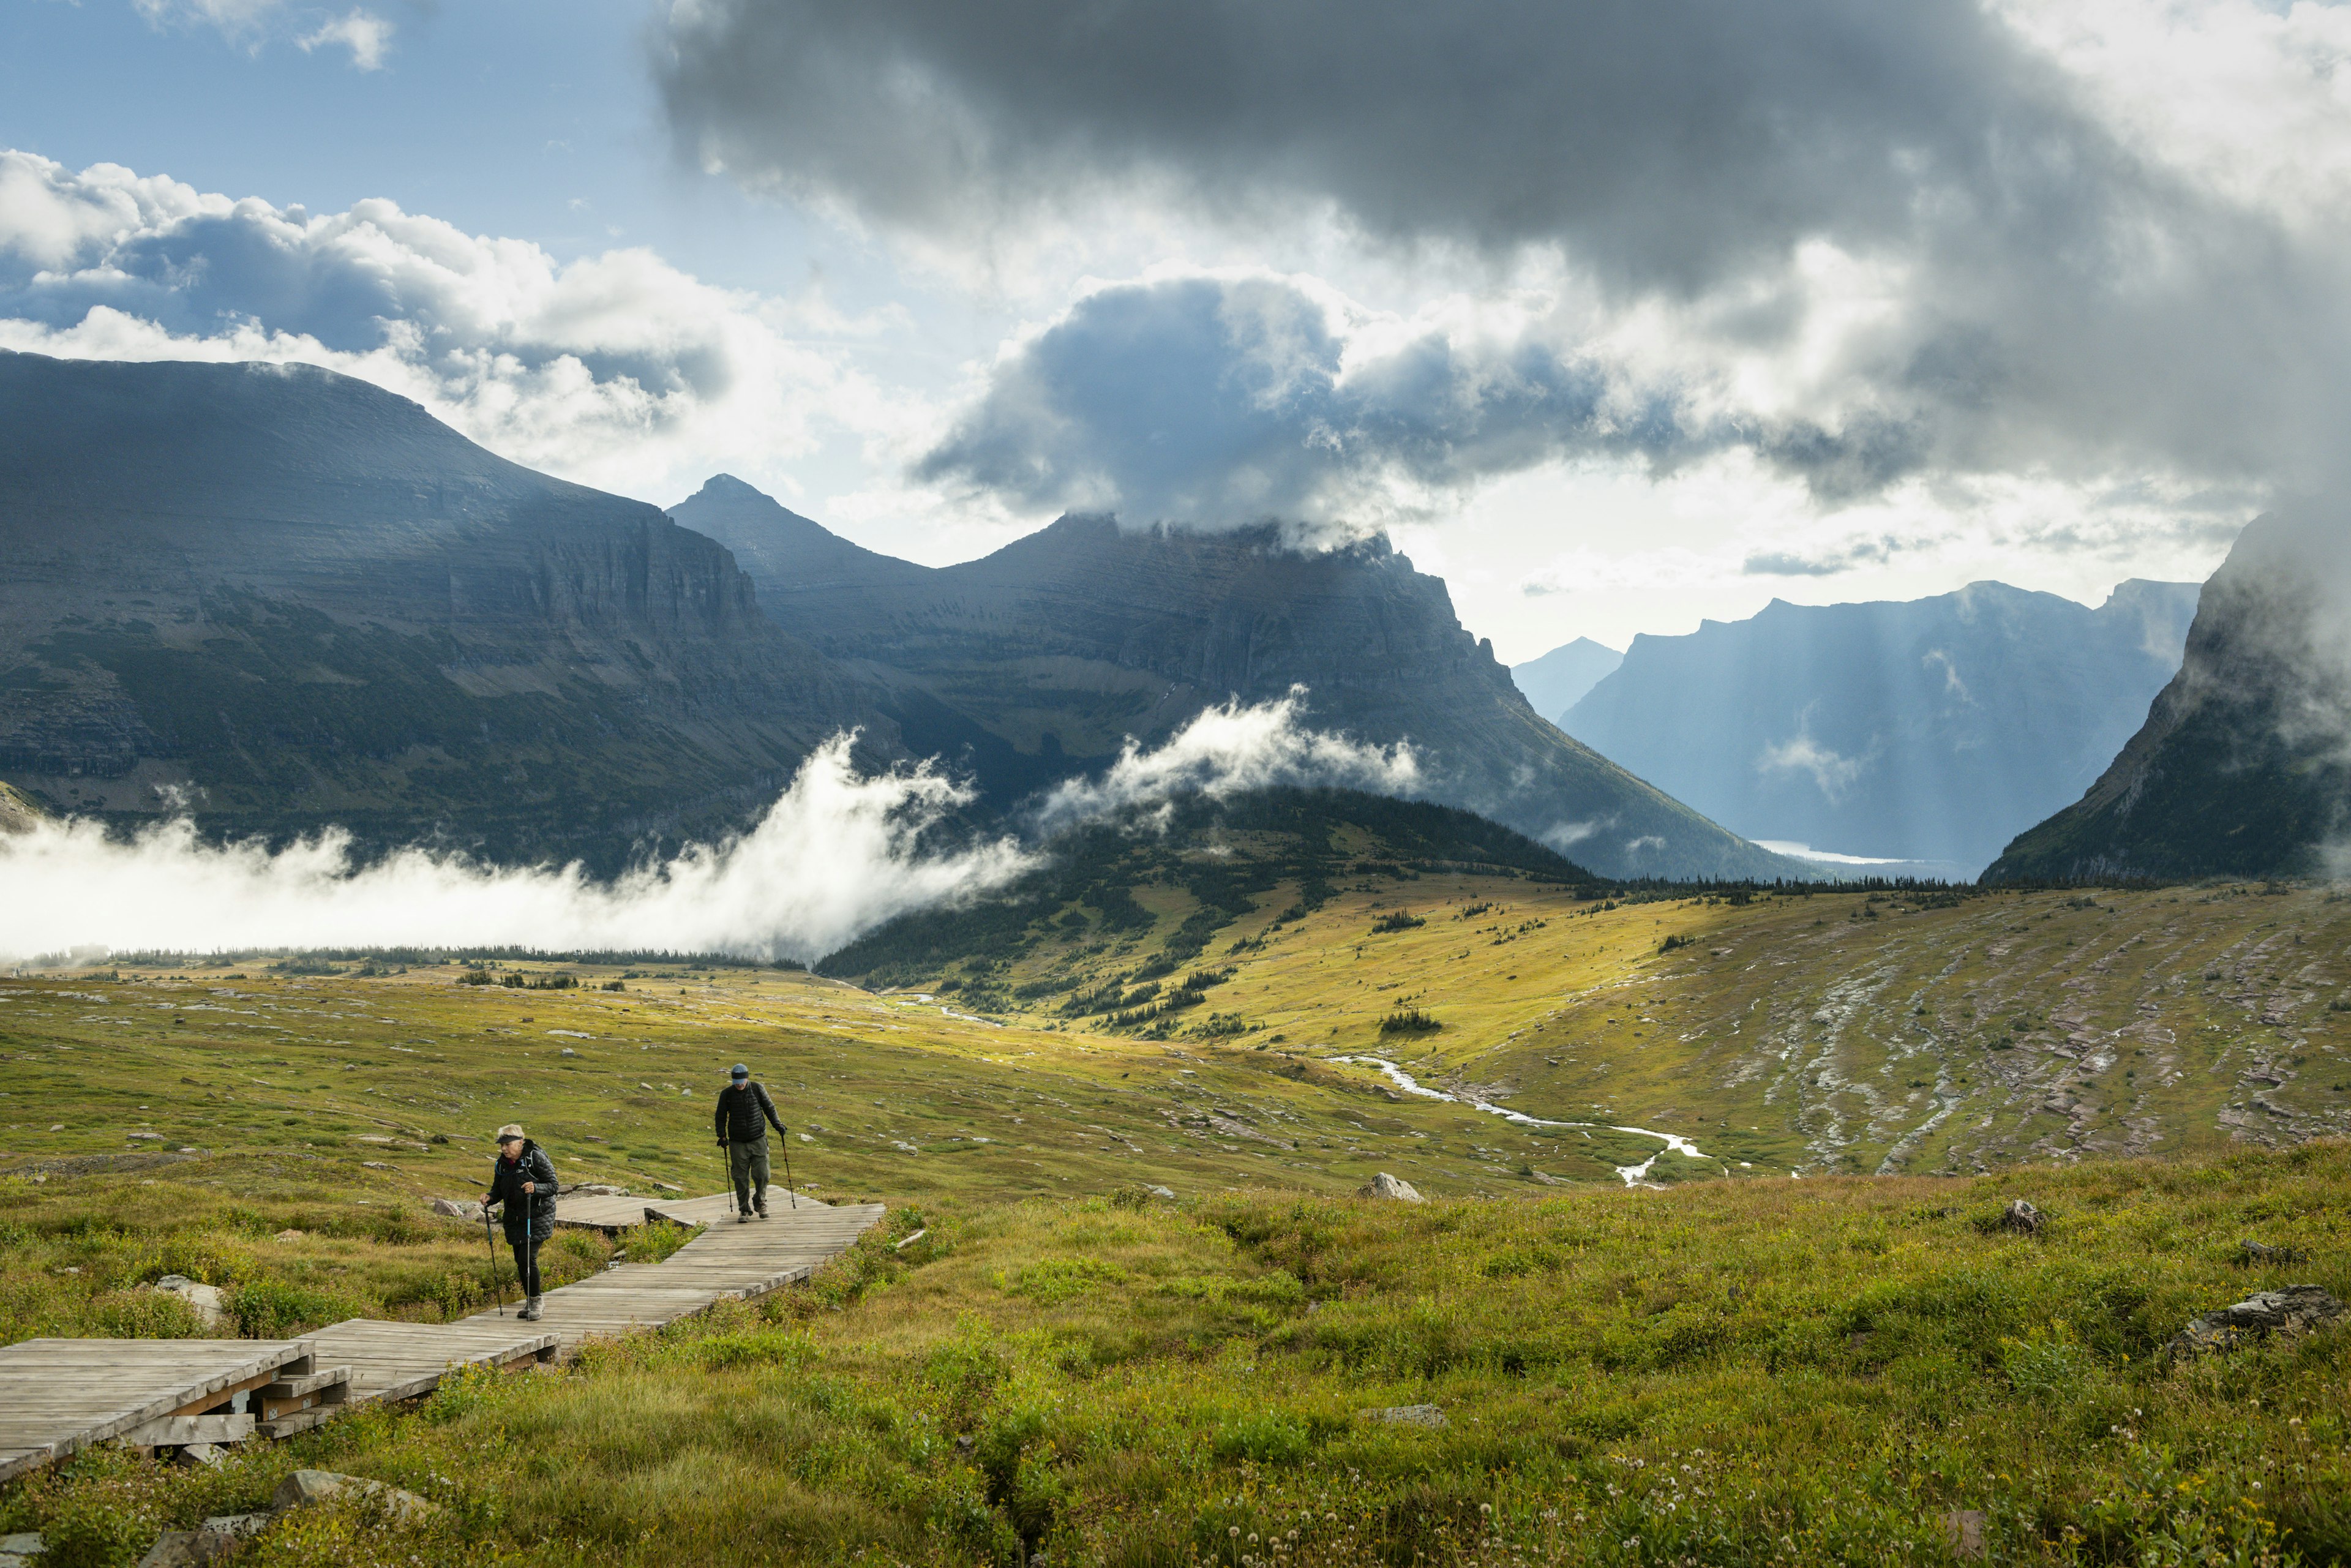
(536, 1207)
(743, 1115)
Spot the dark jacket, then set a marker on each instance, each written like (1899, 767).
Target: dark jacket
(535, 1208)
(746, 1113)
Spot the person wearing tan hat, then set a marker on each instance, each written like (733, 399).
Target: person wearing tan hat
(524, 1181)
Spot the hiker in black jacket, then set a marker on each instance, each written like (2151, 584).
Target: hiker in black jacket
(524, 1180)
(745, 1114)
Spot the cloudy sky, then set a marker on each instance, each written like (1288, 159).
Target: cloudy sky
(1618, 313)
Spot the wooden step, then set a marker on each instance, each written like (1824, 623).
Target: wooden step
(179, 1431)
(292, 1396)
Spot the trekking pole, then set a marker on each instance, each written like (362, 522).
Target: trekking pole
(790, 1190)
(498, 1280)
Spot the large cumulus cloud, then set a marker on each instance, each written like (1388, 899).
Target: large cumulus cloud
(1871, 243)
(617, 368)
(1217, 401)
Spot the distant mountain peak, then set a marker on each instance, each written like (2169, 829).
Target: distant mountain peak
(1921, 730)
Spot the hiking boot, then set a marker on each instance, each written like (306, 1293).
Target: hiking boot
(529, 1313)
(742, 1219)
(763, 1211)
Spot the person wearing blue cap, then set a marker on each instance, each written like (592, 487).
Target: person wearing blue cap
(745, 1114)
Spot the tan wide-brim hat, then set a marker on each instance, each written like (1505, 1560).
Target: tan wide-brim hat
(511, 1130)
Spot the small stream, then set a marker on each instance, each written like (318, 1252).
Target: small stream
(1634, 1175)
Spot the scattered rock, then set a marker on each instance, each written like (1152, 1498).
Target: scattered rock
(646, 1087)
(1408, 1415)
(188, 1549)
(569, 1051)
(156, 1137)
(202, 1299)
(206, 1455)
(288, 1235)
(16, 1548)
(2250, 1252)
(315, 1486)
(244, 1526)
(1964, 1528)
(669, 1187)
(1387, 1185)
(597, 1190)
(458, 1207)
(376, 1165)
(2296, 1309)
(1157, 1191)
(2021, 1218)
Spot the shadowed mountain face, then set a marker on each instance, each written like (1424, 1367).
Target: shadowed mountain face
(290, 599)
(2243, 766)
(1036, 662)
(1930, 730)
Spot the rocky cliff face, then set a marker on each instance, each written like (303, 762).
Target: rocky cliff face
(1931, 729)
(284, 598)
(1038, 659)
(2243, 766)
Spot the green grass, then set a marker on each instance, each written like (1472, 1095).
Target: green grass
(1837, 1361)
(1733, 1373)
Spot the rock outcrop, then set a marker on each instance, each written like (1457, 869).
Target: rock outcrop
(2295, 1309)
(2243, 766)
(1391, 1186)
(17, 813)
(305, 1486)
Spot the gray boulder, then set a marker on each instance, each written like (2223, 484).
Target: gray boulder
(457, 1209)
(305, 1486)
(1407, 1416)
(202, 1299)
(1387, 1185)
(17, 1550)
(2021, 1218)
(188, 1549)
(2295, 1309)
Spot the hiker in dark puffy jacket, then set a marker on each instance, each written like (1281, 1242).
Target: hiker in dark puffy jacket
(524, 1181)
(745, 1114)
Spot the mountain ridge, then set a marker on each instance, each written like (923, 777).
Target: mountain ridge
(286, 600)
(1047, 653)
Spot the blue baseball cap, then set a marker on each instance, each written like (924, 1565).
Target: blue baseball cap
(739, 1072)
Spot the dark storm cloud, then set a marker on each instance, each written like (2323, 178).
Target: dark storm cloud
(2016, 289)
(1665, 141)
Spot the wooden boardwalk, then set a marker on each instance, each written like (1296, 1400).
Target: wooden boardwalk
(60, 1396)
(730, 1259)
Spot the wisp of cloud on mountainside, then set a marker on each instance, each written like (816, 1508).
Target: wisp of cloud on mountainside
(837, 854)
(1228, 749)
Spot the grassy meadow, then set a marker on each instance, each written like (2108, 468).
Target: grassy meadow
(1819, 1372)
(1720, 1364)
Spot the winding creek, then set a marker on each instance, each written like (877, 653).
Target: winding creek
(1634, 1175)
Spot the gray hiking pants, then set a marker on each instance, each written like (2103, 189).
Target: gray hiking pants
(748, 1164)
